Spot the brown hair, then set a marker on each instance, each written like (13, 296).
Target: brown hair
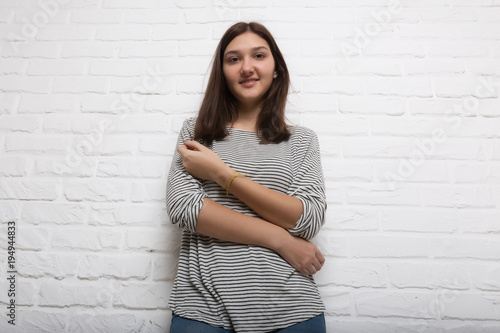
(219, 106)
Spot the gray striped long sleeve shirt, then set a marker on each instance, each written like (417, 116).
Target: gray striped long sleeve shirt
(244, 287)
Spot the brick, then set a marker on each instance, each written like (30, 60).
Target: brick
(9, 210)
(124, 266)
(485, 276)
(428, 30)
(32, 239)
(352, 218)
(395, 304)
(14, 166)
(96, 190)
(471, 172)
(43, 321)
(372, 66)
(118, 68)
(20, 123)
(190, 84)
(165, 239)
(337, 303)
(331, 244)
(51, 213)
(59, 67)
(25, 189)
(37, 49)
(428, 275)
(127, 4)
(88, 239)
(456, 49)
(97, 16)
(347, 169)
(158, 124)
(460, 197)
(477, 31)
(392, 48)
(462, 247)
(16, 67)
(93, 323)
(164, 268)
(377, 246)
(489, 108)
(36, 144)
(372, 105)
(9, 103)
(124, 167)
(65, 32)
(31, 103)
(139, 215)
(403, 126)
(180, 104)
(418, 220)
(148, 49)
(149, 296)
(91, 49)
(376, 147)
(151, 16)
(22, 84)
(179, 31)
(138, 88)
(27, 294)
(313, 103)
(471, 306)
(60, 294)
(136, 32)
(390, 86)
(474, 221)
(472, 127)
(448, 15)
(352, 273)
(338, 85)
(74, 164)
(144, 192)
(157, 146)
(38, 264)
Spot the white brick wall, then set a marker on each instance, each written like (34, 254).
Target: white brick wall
(405, 97)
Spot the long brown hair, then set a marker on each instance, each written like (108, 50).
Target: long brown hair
(219, 106)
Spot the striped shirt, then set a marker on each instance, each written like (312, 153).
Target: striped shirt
(244, 287)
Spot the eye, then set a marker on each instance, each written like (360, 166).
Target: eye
(233, 60)
(260, 56)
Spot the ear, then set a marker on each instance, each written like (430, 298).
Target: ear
(275, 74)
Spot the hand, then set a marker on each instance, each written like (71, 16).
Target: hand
(303, 255)
(200, 161)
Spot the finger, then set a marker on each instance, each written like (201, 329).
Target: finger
(320, 258)
(181, 150)
(194, 145)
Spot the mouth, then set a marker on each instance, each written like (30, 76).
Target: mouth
(248, 83)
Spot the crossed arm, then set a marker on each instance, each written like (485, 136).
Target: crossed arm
(279, 211)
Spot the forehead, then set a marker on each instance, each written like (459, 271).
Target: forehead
(246, 41)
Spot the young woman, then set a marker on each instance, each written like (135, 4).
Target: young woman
(248, 191)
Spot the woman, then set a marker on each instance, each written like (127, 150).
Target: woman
(248, 192)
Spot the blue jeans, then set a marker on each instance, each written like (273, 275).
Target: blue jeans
(183, 325)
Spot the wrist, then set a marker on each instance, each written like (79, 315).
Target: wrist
(279, 239)
(223, 175)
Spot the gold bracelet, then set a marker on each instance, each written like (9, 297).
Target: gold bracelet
(236, 174)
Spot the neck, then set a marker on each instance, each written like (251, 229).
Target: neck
(247, 117)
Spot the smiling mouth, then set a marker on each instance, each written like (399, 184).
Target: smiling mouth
(249, 81)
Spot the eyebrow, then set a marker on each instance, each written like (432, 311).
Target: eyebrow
(254, 49)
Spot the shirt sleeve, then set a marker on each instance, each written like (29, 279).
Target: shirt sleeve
(308, 185)
(185, 193)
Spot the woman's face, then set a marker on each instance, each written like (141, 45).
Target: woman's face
(248, 67)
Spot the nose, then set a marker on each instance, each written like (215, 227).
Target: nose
(247, 66)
